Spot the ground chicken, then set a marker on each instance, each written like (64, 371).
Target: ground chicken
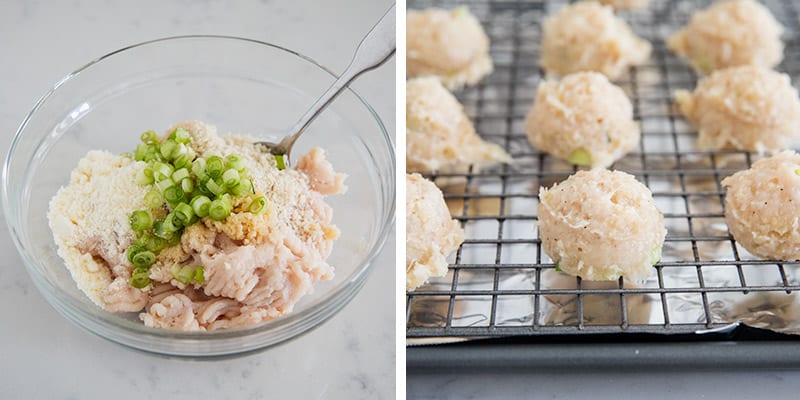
(431, 234)
(762, 207)
(439, 135)
(584, 119)
(730, 33)
(448, 45)
(600, 225)
(586, 36)
(744, 108)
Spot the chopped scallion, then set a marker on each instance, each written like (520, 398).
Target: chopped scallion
(168, 149)
(187, 185)
(217, 210)
(214, 187)
(174, 195)
(140, 279)
(200, 205)
(199, 274)
(182, 135)
(230, 178)
(150, 137)
(171, 223)
(214, 166)
(259, 205)
(141, 220)
(153, 198)
(180, 175)
(161, 171)
(184, 213)
(144, 259)
(235, 162)
(281, 163)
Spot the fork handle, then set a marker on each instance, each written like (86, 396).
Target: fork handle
(374, 50)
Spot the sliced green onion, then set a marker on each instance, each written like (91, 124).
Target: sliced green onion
(234, 161)
(180, 175)
(199, 274)
(153, 243)
(187, 185)
(199, 168)
(140, 153)
(183, 275)
(259, 205)
(214, 187)
(143, 179)
(184, 213)
(200, 205)
(140, 279)
(280, 162)
(150, 137)
(174, 195)
(144, 259)
(241, 188)
(214, 166)
(217, 210)
(226, 201)
(159, 231)
(153, 198)
(141, 220)
(171, 223)
(133, 251)
(182, 135)
(152, 154)
(163, 185)
(183, 161)
(168, 149)
(161, 171)
(230, 177)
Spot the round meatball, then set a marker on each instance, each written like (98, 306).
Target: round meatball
(449, 45)
(586, 36)
(762, 207)
(431, 234)
(439, 135)
(600, 225)
(744, 108)
(584, 119)
(625, 4)
(730, 33)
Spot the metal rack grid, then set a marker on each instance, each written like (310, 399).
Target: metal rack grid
(500, 283)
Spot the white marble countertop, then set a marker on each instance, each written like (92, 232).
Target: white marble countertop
(43, 356)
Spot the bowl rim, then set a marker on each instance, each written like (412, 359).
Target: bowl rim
(336, 299)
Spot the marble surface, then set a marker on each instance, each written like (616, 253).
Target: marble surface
(44, 356)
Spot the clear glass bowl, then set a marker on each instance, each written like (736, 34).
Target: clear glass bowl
(241, 86)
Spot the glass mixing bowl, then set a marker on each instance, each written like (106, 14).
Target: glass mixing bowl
(241, 86)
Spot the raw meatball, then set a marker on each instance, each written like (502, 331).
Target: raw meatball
(439, 136)
(584, 119)
(762, 207)
(450, 45)
(431, 234)
(730, 33)
(745, 108)
(626, 4)
(600, 225)
(588, 37)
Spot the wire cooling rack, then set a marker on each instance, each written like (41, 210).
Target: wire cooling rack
(500, 282)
